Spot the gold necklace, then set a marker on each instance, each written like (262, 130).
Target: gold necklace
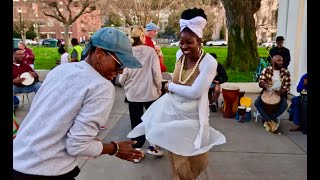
(193, 70)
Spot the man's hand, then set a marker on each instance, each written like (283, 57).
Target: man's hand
(128, 153)
(281, 92)
(33, 74)
(216, 82)
(18, 80)
(264, 85)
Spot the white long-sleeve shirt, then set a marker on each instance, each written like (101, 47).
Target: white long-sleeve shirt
(66, 113)
(143, 84)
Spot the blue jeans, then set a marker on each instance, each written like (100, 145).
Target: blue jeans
(27, 89)
(295, 110)
(266, 117)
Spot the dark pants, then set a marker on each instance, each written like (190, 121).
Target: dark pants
(136, 112)
(295, 110)
(68, 176)
(267, 117)
(298, 111)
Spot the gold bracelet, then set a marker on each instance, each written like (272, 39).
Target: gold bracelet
(116, 146)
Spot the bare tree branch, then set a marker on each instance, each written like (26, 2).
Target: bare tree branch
(54, 5)
(54, 16)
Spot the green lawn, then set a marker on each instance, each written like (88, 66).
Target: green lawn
(221, 52)
(46, 58)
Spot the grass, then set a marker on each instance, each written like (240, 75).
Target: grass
(46, 58)
(221, 52)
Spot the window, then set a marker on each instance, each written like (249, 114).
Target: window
(50, 22)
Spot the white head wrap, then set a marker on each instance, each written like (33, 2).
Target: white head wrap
(195, 24)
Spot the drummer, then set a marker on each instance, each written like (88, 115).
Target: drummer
(19, 68)
(277, 79)
(295, 107)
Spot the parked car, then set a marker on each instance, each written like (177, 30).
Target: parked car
(175, 43)
(49, 42)
(31, 42)
(218, 42)
(269, 44)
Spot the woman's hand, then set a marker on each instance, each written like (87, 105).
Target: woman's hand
(126, 152)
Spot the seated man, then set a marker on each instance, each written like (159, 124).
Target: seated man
(215, 87)
(20, 67)
(296, 104)
(277, 79)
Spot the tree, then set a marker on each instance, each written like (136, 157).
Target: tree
(207, 32)
(137, 12)
(23, 18)
(222, 32)
(64, 11)
(242, 40)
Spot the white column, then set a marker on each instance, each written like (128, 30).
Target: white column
(292, 26)
(282, 18)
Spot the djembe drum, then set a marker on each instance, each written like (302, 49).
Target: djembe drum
(230, 96)
(271, 101)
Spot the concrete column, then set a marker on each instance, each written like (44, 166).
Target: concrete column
(292, 24)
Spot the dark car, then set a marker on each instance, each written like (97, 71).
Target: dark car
(50, 42)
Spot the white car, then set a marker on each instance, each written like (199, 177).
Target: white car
(31, 42)
(217, 43)
(269, 44)
(175, 43)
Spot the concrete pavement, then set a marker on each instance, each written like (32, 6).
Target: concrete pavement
(250, 153)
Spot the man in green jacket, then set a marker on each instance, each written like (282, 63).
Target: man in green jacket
(76, 51)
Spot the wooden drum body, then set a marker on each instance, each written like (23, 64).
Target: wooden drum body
(230, 96)
(271, 101)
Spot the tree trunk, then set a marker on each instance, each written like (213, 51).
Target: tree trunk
(66, 37)
(242, 40)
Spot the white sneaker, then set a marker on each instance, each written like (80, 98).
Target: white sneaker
(154, 150)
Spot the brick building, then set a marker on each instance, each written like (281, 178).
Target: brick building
(47, 27)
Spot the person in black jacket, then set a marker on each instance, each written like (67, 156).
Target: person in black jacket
(215, 87)
(280, 50)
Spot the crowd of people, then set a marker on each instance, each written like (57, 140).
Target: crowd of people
(80, 93)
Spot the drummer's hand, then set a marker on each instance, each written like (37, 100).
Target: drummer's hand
(264, 85)
(217, 82)
(283, 92)
(18, 80)
(33, 74)
(277, 92)
(126, 151)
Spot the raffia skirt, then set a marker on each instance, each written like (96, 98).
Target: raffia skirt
(187, 167)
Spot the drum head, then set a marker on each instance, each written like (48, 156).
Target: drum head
(270, 97)
(230, 87)
(29, 79)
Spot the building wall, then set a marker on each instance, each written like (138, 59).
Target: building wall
(50, 28)
(292, 25)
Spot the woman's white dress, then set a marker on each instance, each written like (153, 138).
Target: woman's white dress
(179, 123)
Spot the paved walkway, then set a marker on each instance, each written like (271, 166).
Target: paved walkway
(250, 153)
